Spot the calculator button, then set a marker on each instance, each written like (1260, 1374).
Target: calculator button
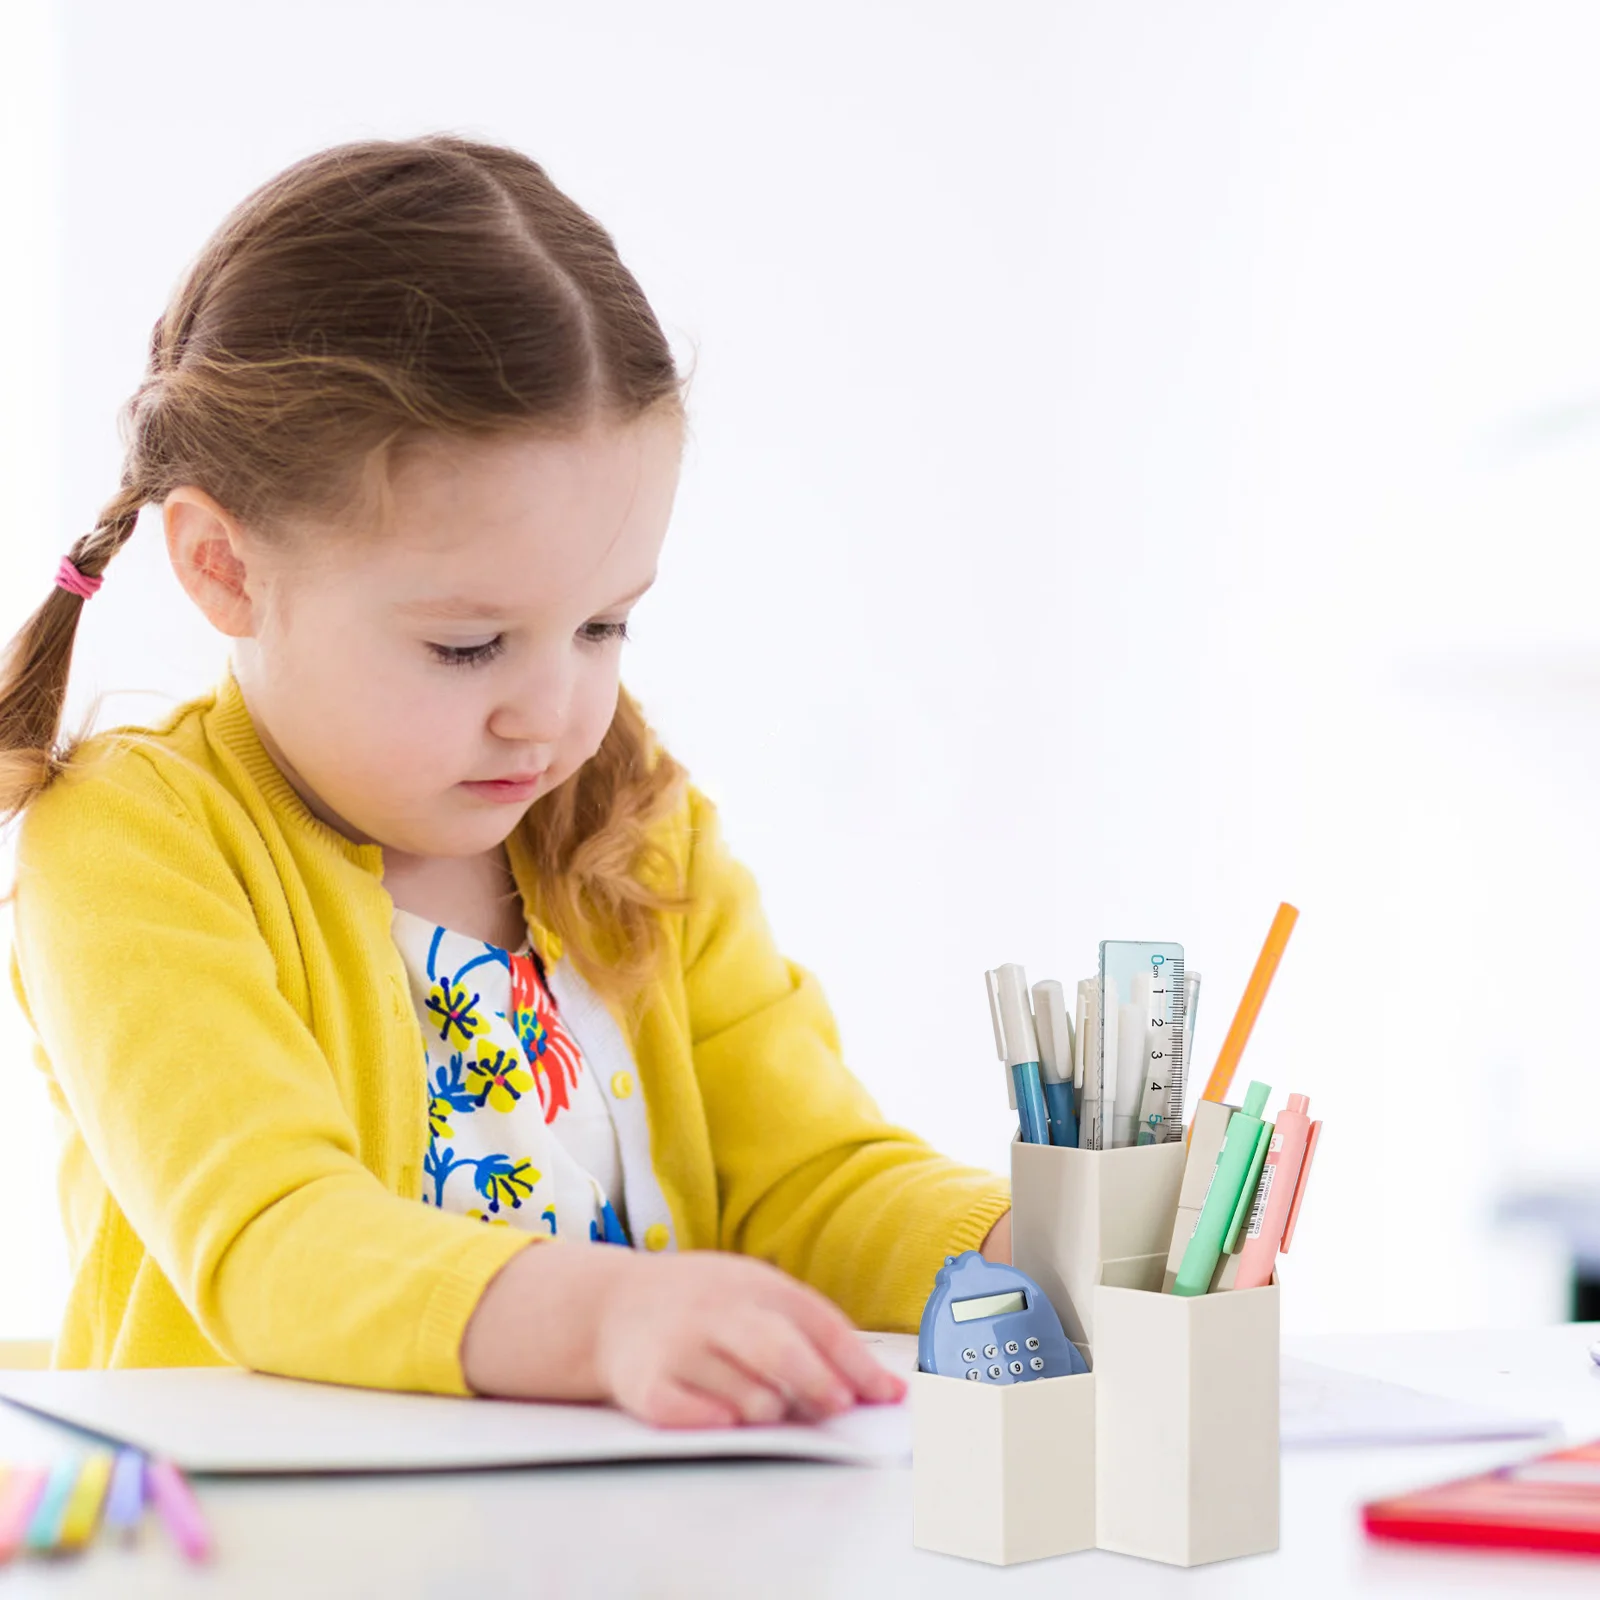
(1016, 1366)
(1011, 1347)
(997, 1371)
(973, 1374)
(1037, 1363)
(991, 1351)
(1033, 1344)
(969, 1354)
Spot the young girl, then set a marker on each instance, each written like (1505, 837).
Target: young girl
(381, 987)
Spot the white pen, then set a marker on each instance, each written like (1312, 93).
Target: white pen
(1018, 1046)
(1089, 1063)
(1110, 1058)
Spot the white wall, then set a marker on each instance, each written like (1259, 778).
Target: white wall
(1145, 464)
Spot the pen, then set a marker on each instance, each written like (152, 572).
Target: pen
(1086, 1072)
(1018, 1047)
(1276, 1203)
(1233, 1163)
(1133, 1022)
(179, 1509)
(1056, 1054)
(1110, 1013)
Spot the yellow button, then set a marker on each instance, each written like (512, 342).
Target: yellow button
(655, 1236)
(622, 1084)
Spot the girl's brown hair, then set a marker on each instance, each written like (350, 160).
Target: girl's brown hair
(372, 294)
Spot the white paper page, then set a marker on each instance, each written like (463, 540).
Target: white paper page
(1324, 1406)
(222, 1420)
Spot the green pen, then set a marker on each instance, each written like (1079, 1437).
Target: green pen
(1246, 1132)
(1234, 1241)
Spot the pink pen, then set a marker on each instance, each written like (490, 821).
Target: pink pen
(179, 1509)
(1277, 1202)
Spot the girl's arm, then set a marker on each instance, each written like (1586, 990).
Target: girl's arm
(208, 1106)
(811, 1177)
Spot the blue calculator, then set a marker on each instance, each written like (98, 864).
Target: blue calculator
(988, 1323)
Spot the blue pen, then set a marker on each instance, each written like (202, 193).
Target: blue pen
(125, 1499)
(44, 1527)
(1054, 1028)
(1018, 1047)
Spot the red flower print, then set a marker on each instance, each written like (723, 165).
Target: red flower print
(551, 1050)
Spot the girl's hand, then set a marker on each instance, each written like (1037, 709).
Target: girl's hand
(705, 1340)
(697, 1340)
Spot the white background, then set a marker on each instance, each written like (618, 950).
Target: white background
(1145, 467)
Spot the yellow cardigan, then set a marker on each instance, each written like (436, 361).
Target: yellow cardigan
(227, 1032)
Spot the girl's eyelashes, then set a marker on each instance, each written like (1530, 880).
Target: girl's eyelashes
(477, 655)
(469, 655)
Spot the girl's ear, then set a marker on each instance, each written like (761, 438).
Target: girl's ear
(207, 548)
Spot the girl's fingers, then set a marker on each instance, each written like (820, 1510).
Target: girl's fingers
(670, 1404)
(831, 1333)
(773, 1348)
(710, 1372)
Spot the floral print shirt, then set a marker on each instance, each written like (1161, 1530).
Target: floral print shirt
(519, 1133)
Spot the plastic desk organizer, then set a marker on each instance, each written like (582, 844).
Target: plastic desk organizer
(1167, 1447)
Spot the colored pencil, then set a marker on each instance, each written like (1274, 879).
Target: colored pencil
(179, 1509)
(19, 1494)
(1244, 1019)
(82, 1510)
(125, 1502)
(44, 1527)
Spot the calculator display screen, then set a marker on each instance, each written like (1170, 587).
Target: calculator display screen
(988, 1305)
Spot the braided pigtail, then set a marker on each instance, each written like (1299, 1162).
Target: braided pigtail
(33, 673)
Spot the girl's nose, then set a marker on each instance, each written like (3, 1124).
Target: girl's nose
(536, 711)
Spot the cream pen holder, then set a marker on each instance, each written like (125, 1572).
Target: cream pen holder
(1167, 1448)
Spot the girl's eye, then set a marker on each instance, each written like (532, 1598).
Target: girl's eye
(603, 632)
(469, 655)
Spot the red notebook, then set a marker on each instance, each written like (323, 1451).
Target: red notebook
(1549, 1503)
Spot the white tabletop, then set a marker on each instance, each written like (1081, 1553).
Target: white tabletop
(702, 1531)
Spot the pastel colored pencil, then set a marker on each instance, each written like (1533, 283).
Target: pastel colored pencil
(125, 1502)
(19, 1494)
(44, 1527)
(82, 1510)
(179, 1509)
(1255, 992)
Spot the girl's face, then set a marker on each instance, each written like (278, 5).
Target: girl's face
(422, 689)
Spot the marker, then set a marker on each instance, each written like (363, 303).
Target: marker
(1255, 992)
(1227, 1179)
(19, 1495)
(179, 1509)
(125, 1502)
(1275, 1207)
(1018, 1046)
(1056, 1056)
(82, 1510)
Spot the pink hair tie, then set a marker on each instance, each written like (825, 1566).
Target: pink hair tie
(74, 582)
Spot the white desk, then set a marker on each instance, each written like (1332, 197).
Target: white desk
(749, 1529)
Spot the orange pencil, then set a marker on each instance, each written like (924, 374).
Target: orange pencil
(1244, 1019)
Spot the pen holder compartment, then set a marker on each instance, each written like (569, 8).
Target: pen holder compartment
(1083, 1217)
(1186, 1400)
(1003, 1473)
